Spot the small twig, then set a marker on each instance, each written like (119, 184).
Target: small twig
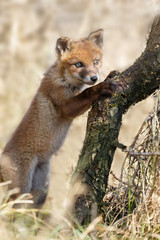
(118, 178)
(142, 153)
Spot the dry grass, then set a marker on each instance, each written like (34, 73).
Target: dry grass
(28, 31)
(134, 204)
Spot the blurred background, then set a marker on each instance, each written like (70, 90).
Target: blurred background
(28, 33)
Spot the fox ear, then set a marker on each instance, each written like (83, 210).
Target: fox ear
(96, 37)
(62, 45)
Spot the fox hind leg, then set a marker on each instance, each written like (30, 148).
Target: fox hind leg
(40, 183)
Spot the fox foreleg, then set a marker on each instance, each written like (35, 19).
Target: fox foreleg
(77, 105)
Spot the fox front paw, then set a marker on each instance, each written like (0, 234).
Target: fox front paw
(112, 74)
(109, 87)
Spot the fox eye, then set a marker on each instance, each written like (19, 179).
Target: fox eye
(96, 61)
(79, 65)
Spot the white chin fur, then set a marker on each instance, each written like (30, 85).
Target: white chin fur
(85, 80)
(88, 81)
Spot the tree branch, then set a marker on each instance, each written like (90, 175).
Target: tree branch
(104, 121)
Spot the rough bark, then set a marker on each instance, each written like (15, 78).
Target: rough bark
(104, 120)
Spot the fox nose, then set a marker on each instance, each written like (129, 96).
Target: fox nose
(94, 78)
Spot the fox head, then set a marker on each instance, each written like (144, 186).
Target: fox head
(80, 60)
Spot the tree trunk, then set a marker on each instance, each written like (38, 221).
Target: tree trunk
(104, 121)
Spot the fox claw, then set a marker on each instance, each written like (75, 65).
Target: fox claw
(109, 87)
(112, 74)
(113, 86)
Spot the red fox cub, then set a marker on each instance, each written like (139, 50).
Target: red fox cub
(59, 99)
